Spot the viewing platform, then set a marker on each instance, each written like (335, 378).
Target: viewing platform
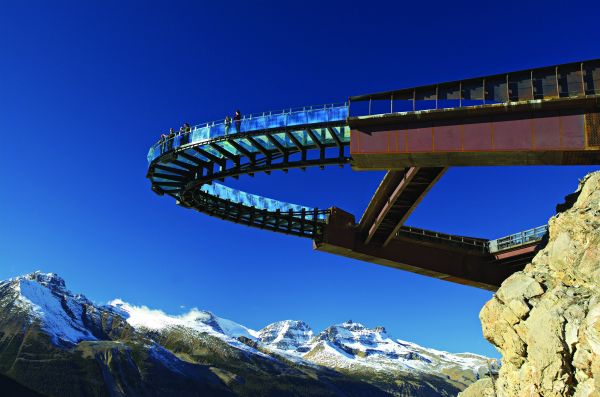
(188, 165)
(547, 115)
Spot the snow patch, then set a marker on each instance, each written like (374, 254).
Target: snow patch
(48, 307)
(196, 320)
(202, 321)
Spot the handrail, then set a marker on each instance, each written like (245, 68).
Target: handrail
(283, 118)
(472, 241)
(274, 113)
(413, 106)
(492, 246)
(517, 239)
(552, 73)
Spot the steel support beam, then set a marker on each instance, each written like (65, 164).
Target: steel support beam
(445, 262)
(396, 198)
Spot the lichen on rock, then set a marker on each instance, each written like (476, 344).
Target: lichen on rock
(545, 320)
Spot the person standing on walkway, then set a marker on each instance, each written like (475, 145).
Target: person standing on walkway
(227, 124)
(187, 130)
(170, 139)
(237, 118)
(161, 143)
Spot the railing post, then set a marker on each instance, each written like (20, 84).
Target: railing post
(582, 81)
(483, 87)
(370, 100)
(557, 85)
(302, 220)
(532, 87)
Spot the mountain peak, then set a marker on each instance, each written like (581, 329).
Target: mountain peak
(50, 280)
(290, 335)
(41, 300)
(198, 320)
(44, 296)
(351, 326)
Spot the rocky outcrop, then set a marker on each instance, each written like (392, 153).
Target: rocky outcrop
(482, 388)
(545, 320)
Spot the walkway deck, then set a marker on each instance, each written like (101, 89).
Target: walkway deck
(190, 167)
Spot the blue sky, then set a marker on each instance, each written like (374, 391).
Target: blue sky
(86, 88)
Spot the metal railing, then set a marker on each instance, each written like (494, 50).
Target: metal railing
(252, 122)
(373, 107)
(480, 244)
(565, 81)
(517, 239)
(491, 246)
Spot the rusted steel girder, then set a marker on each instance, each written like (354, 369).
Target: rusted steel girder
(395, 199)
(434, 259)
(562, 132)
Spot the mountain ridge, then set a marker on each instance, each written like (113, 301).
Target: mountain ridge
(203, 351)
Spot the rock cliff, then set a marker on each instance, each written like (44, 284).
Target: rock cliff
(545, 320)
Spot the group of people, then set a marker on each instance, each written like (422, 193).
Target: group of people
(166, 140)
(237, 119)
(183, 130)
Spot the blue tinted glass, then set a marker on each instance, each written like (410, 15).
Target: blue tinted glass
(200, 134)
(266, 143)
(303, 137)
(339, 113)
(276, 121)
(245, 144)
(343, 133)
(227, 146)
(252, 200)
(290, 117)
(317, 116)
(217, 130)
(297, 118)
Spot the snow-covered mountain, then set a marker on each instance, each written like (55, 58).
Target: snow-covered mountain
(72, 323)
(290, 336)
(45, 298)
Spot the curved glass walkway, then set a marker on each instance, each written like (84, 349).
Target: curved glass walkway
(187, 166)
(282, 119)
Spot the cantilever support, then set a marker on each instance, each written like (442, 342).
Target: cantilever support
(395, 199)
(434, 259)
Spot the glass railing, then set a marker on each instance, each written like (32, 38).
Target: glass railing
(259, 202)
(517, 239)
(376, 107)
(493, 246)
(254, 122)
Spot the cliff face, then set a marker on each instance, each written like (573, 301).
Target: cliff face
(545, 320)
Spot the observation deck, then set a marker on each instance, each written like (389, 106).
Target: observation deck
(188, 165)
(192, 167)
